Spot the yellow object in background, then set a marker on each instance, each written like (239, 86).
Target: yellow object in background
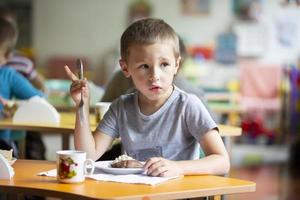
(28, 52)
(233, 86)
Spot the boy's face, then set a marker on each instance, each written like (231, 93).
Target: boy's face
(152, 69)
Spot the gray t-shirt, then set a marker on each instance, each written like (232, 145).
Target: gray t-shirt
(172, 132)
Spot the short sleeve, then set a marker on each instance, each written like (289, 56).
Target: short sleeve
(21, 87)
(109, 123)
(197, 117)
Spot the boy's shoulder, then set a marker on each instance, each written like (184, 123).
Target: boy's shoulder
(185, 96)
(125, 98)
(128, 97)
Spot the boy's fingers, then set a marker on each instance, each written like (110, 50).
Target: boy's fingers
(70, 74)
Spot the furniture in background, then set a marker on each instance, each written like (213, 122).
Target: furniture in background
(58, 94)
(26, 182)
(55, 66)
(67, 125)
(227, 105)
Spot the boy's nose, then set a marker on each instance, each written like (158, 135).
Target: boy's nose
(154, 76)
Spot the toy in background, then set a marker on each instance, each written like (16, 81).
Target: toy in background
(194, 65)
(261, 98)
(255, 130)
(226, 52)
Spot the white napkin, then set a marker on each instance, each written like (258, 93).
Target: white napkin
(51, 173)
(130, 178)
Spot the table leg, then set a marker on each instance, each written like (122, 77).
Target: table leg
(217, 197)
(65, 142)
(22, 148)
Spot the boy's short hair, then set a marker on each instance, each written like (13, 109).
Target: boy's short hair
(148, 31)
(8, 36)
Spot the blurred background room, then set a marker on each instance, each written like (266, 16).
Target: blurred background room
(244, 54)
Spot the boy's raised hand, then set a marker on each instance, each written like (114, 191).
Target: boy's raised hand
(77, 86)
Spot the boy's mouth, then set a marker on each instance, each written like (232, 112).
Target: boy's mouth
(155, 88)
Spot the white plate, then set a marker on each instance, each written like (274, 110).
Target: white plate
(106, 167)
(11, 162)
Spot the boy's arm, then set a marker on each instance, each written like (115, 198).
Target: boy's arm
(216, 160)
(22, 88)
(38, 82)
(93, 144)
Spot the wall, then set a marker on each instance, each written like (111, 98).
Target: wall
(91, 27)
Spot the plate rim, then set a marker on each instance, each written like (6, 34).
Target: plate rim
(112, 170)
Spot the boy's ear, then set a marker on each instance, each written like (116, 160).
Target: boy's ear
(177, 64)
(124, 68)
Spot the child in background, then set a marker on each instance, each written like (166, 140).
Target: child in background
(35, 148)
(158, 123)
(20, 63)
(12, 84)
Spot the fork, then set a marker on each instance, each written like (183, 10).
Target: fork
(80, 75)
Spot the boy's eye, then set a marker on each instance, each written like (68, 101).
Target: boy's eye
(165, 64)
(145, 66)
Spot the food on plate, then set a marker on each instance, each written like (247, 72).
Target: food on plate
(125, 161)
(7, 154)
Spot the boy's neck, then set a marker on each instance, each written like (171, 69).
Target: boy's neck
(148, 107)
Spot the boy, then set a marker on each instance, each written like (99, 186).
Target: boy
(12, 83)
(159, 122)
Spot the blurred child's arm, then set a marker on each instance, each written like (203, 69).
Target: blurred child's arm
(216, 160)
(93, 144)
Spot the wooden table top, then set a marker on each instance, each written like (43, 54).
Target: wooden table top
(67, 125)
(26, 181)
